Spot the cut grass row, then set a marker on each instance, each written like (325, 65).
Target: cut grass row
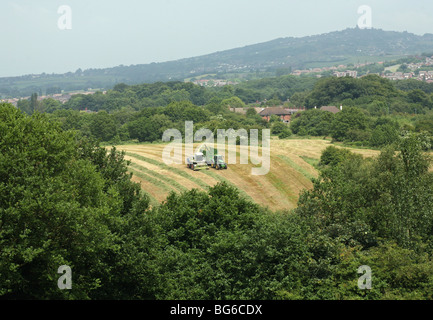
(161, 177)
(220, 178)
(311, 161)
(187, 176)
(181, 173)
(295, 166)
(162, 186)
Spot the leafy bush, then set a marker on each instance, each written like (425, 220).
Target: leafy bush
(285, 134)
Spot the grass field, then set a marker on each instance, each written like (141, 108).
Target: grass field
(292, 168)
(393, 68)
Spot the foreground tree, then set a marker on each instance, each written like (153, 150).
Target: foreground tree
(61, 203)
(218, 245)
(363, 200)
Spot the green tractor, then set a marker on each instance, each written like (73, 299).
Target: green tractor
(219, 162)
(213, 159)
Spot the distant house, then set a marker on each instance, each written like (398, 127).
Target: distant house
(348, 73)
(332, 109)
(258, 109)
(284, 114)
(239, 110)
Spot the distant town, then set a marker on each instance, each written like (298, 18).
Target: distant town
(414, 71)
(62, 97)
(417, 71)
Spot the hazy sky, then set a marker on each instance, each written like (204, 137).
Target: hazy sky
(107, 33)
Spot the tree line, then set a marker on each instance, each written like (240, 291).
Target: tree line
(375, 110)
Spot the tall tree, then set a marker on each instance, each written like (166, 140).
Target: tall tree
(34, 102)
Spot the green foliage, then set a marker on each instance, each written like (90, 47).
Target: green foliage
(281, 129)
(384, 132)
(274, 118)
(247, 95)
(346, 122)
(298, 98)
(233, 102)
(149, 129)
(62, 202)
(412, 84)
(333, 156)
(286, 133)
(102, 126)
(331, 91)
(419, 96)
(273, 102)
(251, 112)
(139, 96)
(315, 122)
(50, 105)
(207, 252)
(424, 125)
(388, 197)
(381, 211)
(281, 88)
(278, 127)
(397, 274)
(126, 105)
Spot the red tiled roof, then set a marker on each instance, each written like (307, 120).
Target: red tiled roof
(275, 111)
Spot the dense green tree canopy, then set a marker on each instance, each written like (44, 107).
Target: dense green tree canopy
(62, 202)
(314, 122)
(330, 91)
(347, 121)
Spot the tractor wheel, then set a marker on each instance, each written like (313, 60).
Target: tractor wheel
(193, 167)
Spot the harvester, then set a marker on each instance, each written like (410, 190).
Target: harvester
(213, 159)
(197, 162)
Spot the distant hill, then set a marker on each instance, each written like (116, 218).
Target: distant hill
(348, 46)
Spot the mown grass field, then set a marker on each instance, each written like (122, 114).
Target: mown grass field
(292, 168)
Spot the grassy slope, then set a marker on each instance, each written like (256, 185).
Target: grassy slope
(292, 167)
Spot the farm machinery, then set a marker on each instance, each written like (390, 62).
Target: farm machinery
(213, 159)
(205, 158)
(197, 162)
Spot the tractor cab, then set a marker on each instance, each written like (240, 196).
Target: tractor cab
(219, 162)
(218, 159)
